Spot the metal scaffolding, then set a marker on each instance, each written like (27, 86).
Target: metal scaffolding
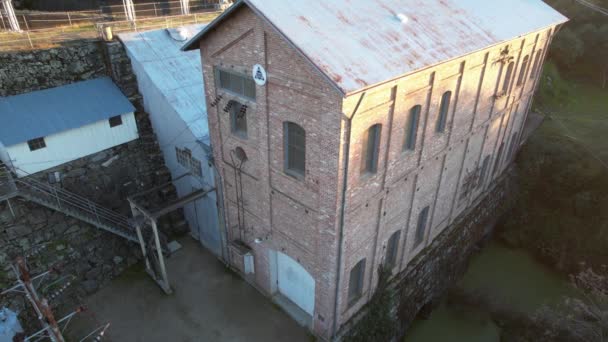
(152, 242)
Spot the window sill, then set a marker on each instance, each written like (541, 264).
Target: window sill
(294, 174)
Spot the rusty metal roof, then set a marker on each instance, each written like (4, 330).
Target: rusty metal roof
(360, 43)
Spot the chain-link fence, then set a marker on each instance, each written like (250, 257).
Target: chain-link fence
(47, 29)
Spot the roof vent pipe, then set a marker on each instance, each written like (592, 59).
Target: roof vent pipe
(403, 18)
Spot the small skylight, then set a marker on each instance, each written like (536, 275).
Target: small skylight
(402, 18)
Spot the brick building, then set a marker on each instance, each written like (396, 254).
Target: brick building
(350, 134)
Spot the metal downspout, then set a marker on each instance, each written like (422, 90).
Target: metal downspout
(342, 210)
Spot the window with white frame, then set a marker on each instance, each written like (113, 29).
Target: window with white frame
(185, 159)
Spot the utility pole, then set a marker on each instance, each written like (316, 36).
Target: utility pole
(129, 10)
(13, 24)
(185, 7)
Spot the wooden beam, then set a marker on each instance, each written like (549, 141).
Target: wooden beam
(180, 202)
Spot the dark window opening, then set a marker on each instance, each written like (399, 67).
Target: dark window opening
(423, 217)
(36, 144)
(238, 118)
(371, 147)
(115, 121)
(294, 149)
(412, 128)
(443, 111)
(236, 83)
(484, 172)
(536, 65)
(392, 248)
(498, 158)
(355, 283)
(507, 81)
(522, 72)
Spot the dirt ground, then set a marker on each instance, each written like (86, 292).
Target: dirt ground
(209, 303)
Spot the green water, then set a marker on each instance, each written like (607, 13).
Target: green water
(509, 275)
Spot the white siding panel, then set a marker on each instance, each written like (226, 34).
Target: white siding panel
(71, 145)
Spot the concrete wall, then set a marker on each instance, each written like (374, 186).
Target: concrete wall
(66, 146)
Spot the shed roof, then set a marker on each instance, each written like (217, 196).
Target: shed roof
(45, 112)
(174, 73)
(360, 43)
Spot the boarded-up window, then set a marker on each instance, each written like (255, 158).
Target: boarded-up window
(238, 118)
(508, 75)
(355, 282)
(522, 71)
(536, 65)
(36, 144)
(294, 149)
(423, 218)
(411, 128)
(392, 247)
(371, 147)
(443, 111)
(236, 83)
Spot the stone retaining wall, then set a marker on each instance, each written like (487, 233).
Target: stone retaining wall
(88, 256)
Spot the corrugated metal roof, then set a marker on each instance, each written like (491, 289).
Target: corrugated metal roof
(45, 112)
(175, 73)
(360, 43)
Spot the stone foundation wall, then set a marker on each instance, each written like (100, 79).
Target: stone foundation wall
(438, 267)
(89, 257)
(22, 72)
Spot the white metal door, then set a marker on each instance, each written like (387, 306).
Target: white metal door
(295, 283)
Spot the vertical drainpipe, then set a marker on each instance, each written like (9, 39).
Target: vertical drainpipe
(342, 210)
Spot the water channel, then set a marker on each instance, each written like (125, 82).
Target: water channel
(509, 275)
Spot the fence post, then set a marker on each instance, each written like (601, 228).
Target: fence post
(2, 18)
(29, 39)
(69, 19)
(185, 7)
(27, 27)
(155, 13)
(129, 10)
(13, 23)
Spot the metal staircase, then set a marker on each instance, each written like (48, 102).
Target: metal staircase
(66, 202)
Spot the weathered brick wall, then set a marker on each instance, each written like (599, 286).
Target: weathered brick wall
(298, 215)
(441, 264)
(301, 217)
(437, 171)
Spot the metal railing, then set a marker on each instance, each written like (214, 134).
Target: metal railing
(68, 203)
(44, 30)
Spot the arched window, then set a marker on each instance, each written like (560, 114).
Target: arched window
(443, 111)
(507, 80)
(371, 147)
(238, 118)
(294, 149)
(498, 158)
(355, 282)
(423, 218)
(411, 129)
(392, 247)
(536, 65)
(484, 172)
(522, 71)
